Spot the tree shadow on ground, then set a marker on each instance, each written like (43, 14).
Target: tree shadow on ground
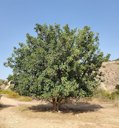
(68, 108)
(3, 106)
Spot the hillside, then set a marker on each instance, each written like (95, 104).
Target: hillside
(111, 74)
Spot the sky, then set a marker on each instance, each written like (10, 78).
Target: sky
(18, 17)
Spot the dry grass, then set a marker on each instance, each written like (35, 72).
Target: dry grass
(12, 94)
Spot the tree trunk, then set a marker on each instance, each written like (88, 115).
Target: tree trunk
(55, 104)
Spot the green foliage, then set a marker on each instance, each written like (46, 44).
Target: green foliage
(10, 78)
(58, 63)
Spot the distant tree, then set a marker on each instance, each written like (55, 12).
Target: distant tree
(57, 64)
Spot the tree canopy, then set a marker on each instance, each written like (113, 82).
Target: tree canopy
(57, 63)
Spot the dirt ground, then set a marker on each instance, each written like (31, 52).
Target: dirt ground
(38, 114)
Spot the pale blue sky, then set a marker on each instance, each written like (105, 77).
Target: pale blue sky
(18, 17)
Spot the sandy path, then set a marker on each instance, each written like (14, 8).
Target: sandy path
(9, 118)
(12, 117)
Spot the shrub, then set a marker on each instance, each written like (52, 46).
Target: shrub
(105, 95)
(12, 94)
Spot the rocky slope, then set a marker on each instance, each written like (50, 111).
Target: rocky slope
(111, 74)
(4, 84)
